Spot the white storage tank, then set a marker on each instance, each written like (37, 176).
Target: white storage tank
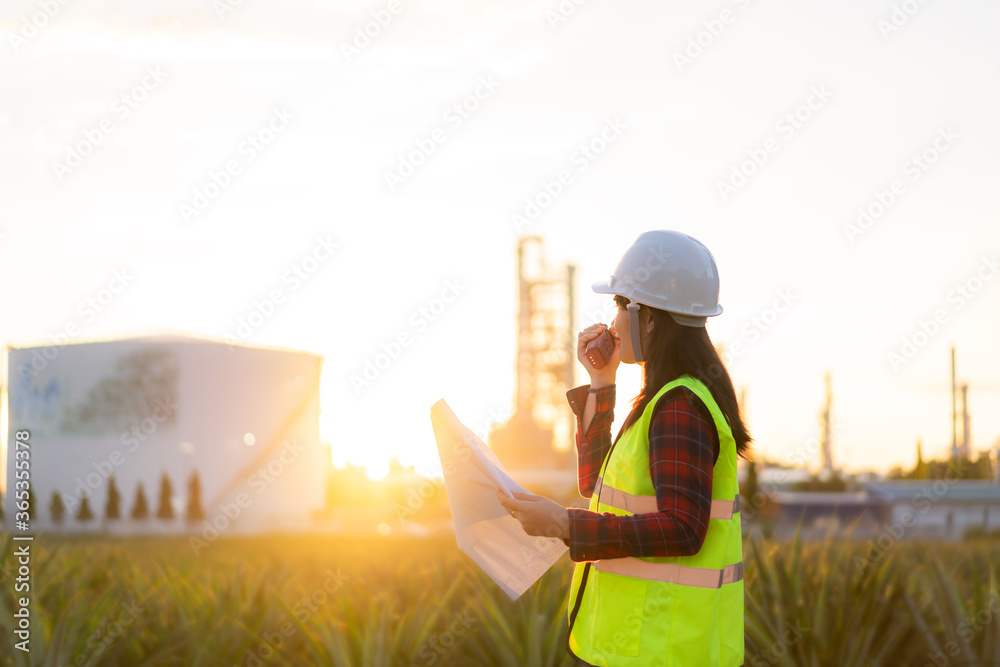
(245, 419)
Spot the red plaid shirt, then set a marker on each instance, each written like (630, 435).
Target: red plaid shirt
(683, 448)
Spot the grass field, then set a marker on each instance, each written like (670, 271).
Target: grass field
(397, 601)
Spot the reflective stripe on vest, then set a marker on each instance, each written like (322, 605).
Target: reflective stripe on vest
(672, 572)
(609, 495)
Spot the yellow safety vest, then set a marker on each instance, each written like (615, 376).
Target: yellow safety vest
(667, 611)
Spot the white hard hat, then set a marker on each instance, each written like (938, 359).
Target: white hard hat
(667, 270)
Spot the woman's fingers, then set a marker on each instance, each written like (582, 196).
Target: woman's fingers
(516, 503)
(520, 501)
(590, 332)
(508, 502)
(583, 338)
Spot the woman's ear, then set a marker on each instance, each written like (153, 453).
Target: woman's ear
(648, 327)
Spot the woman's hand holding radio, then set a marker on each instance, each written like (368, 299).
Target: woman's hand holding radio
(606, 350)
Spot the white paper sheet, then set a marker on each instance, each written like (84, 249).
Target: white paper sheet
(484, 529)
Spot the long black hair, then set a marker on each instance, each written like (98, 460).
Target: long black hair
(672, 350)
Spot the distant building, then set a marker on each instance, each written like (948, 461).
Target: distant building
(771, 474)
(813, 505)
(246, 419)
(928, 509)
(940, 509)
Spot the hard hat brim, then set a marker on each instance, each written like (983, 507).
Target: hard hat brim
(689, 318)
(603, 287)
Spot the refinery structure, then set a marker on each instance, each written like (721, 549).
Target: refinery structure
(540, 434)
(960, 498)
(244, 421)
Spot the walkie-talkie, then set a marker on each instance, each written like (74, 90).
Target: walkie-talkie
(600, 349)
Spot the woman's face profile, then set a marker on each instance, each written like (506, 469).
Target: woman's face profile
(622, 327)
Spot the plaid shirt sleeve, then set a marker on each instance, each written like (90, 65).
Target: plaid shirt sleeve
(592, 447)
(683, 448)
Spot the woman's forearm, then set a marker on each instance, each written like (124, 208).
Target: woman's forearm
(591, 405)
(593, 440)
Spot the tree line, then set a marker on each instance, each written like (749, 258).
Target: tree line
(113, 504)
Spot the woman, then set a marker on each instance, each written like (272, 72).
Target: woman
(659, 572)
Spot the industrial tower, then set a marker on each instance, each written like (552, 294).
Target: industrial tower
(959, 449)
(826, 430)
(541, 431)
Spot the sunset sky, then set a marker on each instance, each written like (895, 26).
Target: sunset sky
(201, 161)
